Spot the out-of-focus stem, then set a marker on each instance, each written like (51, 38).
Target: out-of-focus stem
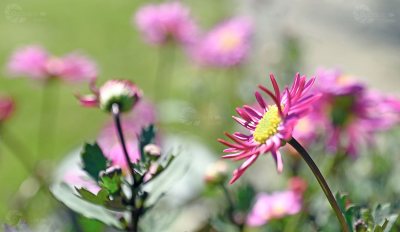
(322, 182)
(48, 116)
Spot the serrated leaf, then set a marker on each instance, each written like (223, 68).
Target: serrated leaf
(99, 199)
(93, 160)
(111, 183)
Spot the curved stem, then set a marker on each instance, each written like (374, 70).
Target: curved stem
(322, 182)
(117, 120)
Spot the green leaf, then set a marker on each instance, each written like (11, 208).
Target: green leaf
(111, 180)
(93, 160)
(245, 196)
(99, 199)
(146, 137)
(64, 193)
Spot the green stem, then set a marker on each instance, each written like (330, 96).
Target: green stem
(48, 116)
(164, 70)
(322, 182)
(231, 208)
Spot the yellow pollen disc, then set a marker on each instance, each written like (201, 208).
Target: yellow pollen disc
(229, 40)
(268, 125)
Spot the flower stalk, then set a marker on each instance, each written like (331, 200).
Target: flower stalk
(133, 227)
(322, 182)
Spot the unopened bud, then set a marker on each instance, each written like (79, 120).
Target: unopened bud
(216, 173)
(152, 150)
(121, 92)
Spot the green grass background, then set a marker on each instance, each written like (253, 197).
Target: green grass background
(101, 29)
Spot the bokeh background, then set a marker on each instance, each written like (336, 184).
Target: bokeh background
(360, 37)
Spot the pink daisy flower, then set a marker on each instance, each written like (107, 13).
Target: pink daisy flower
(349, 113)
(226, 45)
(36, 63)
(272, 126)
(166, 21)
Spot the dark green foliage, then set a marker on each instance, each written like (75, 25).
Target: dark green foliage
(93, 160)
(146, 137)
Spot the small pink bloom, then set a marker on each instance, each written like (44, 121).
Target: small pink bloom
(226, 45)
(160, 23)
(271, 126)
(29, 61)
(274, 206)
(6, 108)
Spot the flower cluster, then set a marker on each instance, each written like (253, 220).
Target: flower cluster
(35, 62)
(271, 126)
(225, 45)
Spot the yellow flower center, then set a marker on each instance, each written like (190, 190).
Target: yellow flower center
(268, 125)
(229, 40)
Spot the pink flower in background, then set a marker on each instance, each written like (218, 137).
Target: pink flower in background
(226, 45)
(349, 113)
(6, 108)
(143, 115)
(122, 92)
(29, 61)
(36, 63)
(160, 23)
(274, 206)
(270, 127)
(78, 68)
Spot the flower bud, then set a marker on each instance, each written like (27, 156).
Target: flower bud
(6, 108)
(216, 173)
(122, 92)
(152, 150)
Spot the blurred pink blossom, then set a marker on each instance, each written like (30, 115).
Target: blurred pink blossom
(226, 45)
(274, 206)
(29, 61)
(35, 62)
(78, 68)
(160, 23)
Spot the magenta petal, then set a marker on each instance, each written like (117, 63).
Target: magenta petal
(88, 100)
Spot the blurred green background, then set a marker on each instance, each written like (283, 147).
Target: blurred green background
(290, 36)
(98, 28)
